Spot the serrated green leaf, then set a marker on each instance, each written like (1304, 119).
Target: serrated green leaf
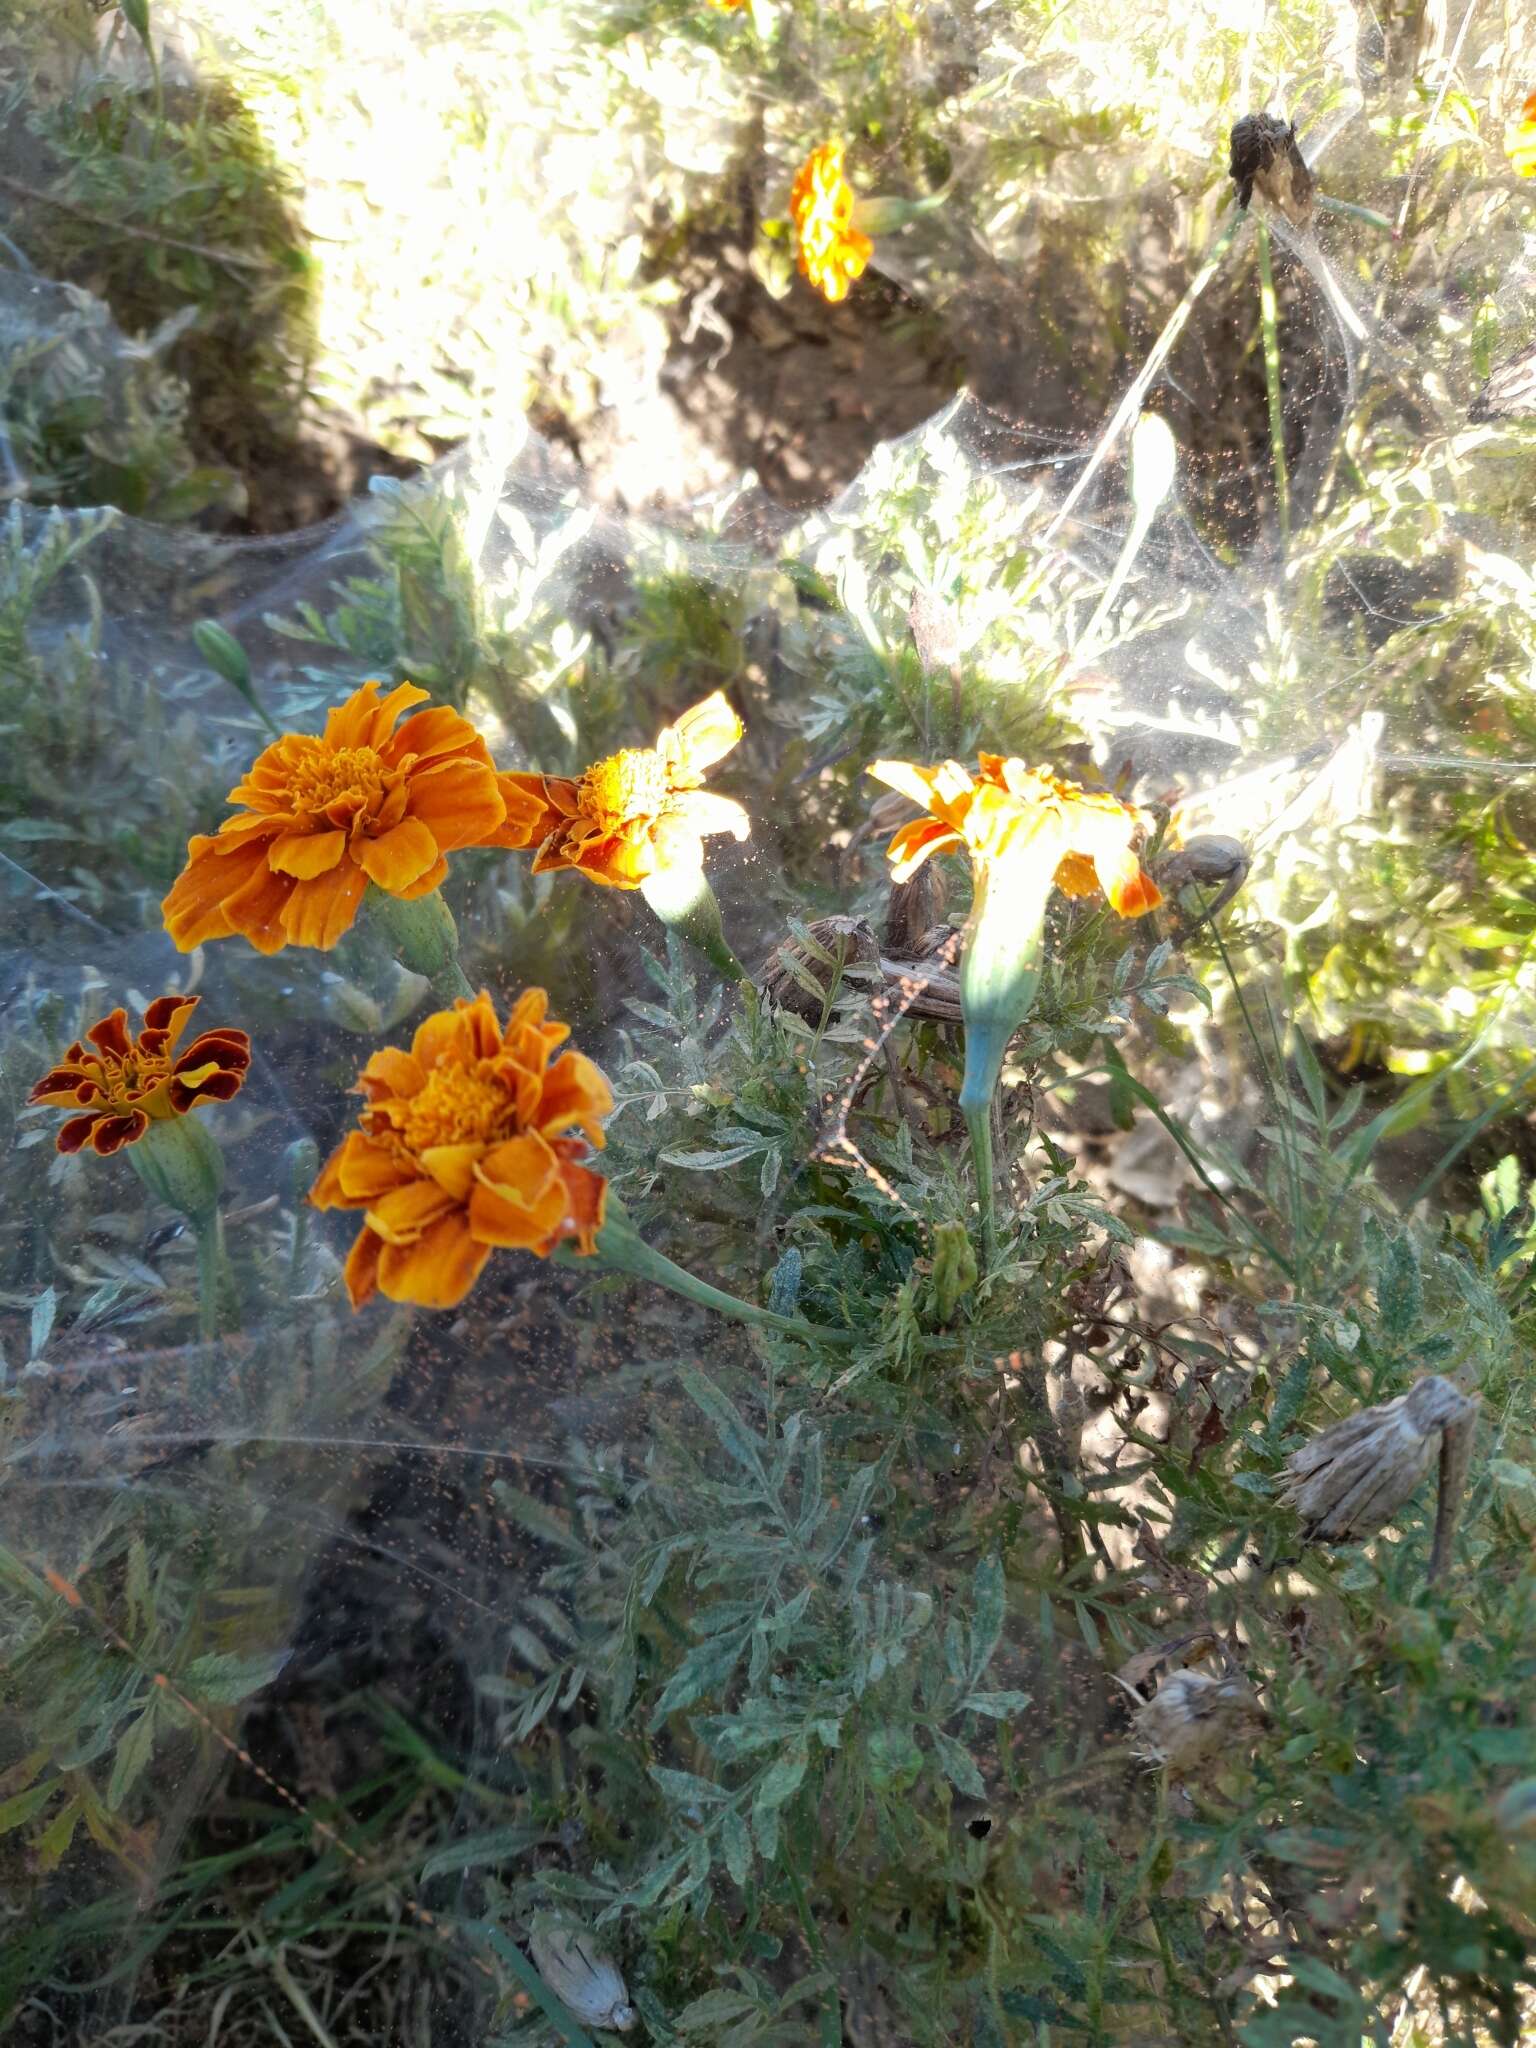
(221, 1679)
(135, 1747)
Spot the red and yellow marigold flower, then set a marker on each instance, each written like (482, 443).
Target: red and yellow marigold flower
(120, 1082)
(320, 817)
(831, 250)
(642, 811)
(1026, 832)
(1007, 811)
(1521, 147)
(473, 1140)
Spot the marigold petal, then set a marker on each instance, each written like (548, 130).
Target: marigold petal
(361, 1271)
(576, 1094)
(905, 776)
(1130, 890)
(358, 1172)
(459, 802)
(391, 1071)
(705, 814)
(1076, 875)
(401, 1214)
(365, 719)
(438, 1269)
(429, 734)
(306, 854)
(110, 1134)
(319, 911)
(620, 860)
(398, 857)
(912, 845)
(197, 906)
(438, 1037)
(703, 735)
(73, 1134)
(452, 1167)
(64, 1088)
(166, 1019)
(586, 1195)
(110, 1034)
(424, 884)
(528, 814)
(520, 1199)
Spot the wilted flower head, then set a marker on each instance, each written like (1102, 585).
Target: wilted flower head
(640, 811)
(322, 816)
(1192, 1717)
(121, 1081)
(581, 1976)
(831, 250)
(1007, 811)
(473, 1140)
(1266, 154)
(1351, 1479)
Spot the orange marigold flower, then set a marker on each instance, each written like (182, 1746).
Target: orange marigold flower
(832, 252)
(320, 818)
(1005, 809)
(469, 1141)
(642, 810)
(121, 1082)
(1521, 148)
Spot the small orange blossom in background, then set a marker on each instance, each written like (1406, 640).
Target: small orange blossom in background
(1007, 811)
(321, 817)
(831, 250)
(470, 1141)
(1521, 147)
(121, 1082)
(640, 811)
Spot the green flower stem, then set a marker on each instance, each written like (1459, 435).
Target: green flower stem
(182, 1166)
(621, 1249)
(424, 938)
(1350, 211)
(685, 903)
(999, 973)
(1269, 322)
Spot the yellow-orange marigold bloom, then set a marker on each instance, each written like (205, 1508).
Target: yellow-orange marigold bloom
(1006, 809)
(321, 817)
(473, 1139)
(832, 252)
(1521, 147)
(122, 1081)
(642, 810)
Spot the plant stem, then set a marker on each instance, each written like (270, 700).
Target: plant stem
(215, 1281)
(978, 1121)
(621, 1249)
(1161, 349)
(1269, 320)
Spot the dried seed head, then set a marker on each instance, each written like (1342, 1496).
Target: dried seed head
(798, 978)
(913, 909)
(1351, 1479)
(580, 1976)
(1192, 1717)
(1265, 153)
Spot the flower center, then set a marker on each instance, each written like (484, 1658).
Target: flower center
(629, 784)
(319, 775)
(459, 1106)
(125, 1081)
